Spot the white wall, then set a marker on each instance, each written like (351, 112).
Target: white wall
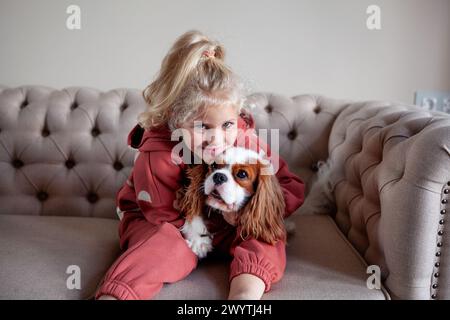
(289, 47)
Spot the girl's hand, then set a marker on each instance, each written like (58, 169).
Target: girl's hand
(230, 217)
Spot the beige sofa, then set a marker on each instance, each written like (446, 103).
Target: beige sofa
(63, 156)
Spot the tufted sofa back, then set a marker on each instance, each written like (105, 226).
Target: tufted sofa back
(64, 152)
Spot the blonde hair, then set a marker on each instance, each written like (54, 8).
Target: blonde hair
(193, 76)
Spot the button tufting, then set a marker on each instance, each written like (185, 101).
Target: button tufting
(292, 134)
(437, 264)
(123, 106)
(24, 104)
(269, 109)
(118, 165)
(438, 254)
(433, 296)
(42, 195)
(448, 183)
(444, 201)
(95, 132)
(74, 105)
(45, 132)
(441, 221)
(70, 164)
(443, 211)
(435, 286)
(317, 109)
(439, 244)
(17, 163)
(92, 197)
(445, 191)
(440, 232)
(436, 275)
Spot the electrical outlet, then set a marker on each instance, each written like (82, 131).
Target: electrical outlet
(433, 100)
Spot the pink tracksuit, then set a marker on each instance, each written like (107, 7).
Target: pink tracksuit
(154, 251)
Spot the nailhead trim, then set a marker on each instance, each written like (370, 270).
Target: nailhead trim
(439, 241)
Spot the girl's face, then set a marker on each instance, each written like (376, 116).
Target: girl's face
(214, 133)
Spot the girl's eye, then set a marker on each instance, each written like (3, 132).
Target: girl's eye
(228, 124)
(242, 174)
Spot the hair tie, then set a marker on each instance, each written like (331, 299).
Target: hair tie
(209, 53)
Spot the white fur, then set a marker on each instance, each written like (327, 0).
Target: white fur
(119, 213)
(320, 199)
(197, 236)
(239, 155)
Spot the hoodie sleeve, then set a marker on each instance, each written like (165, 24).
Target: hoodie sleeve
(292, 186)
(156, 181)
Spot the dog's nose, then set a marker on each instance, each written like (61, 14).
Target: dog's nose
(219, 178)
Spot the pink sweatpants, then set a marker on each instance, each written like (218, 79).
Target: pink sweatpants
(157, 254)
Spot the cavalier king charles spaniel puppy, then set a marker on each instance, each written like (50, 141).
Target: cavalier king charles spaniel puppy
(239, 180)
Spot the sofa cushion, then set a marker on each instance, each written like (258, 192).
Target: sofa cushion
(321, 264)
(36, 251)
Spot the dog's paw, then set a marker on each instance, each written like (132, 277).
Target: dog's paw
(200, 245)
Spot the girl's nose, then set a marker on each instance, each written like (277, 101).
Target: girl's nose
(215, 137)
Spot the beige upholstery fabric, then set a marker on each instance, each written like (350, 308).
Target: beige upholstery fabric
(36, 253)
(63, 153)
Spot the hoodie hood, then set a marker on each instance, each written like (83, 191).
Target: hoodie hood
(159, 139)
(151, 140)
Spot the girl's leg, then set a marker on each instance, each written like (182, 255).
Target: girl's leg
(255, 266)
(154, 255)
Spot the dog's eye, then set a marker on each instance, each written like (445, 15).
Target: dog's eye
(214, 166)
(241, 174)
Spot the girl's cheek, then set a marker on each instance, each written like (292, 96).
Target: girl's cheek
(197, 141)
(231, 138)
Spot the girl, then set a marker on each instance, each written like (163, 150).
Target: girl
(197, 93)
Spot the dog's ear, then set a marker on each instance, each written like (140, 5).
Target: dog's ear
(262, 217)
(193, 200)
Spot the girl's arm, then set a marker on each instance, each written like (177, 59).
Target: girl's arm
(153, 189)
(246, 286)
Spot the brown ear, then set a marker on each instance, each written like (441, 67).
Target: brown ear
(262, 217)
(193, 201)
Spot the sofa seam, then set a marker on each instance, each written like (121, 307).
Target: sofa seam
(357, 255)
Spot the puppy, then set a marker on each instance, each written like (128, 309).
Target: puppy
(239, 180)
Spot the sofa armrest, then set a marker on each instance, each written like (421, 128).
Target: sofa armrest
(413, 229)
(391, 169)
